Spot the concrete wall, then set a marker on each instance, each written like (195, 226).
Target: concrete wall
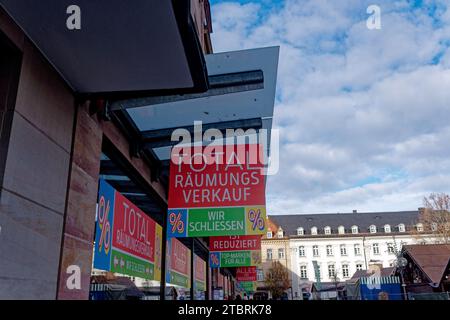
(33, 194)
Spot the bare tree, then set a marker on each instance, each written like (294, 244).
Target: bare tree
(277, 279)
(435, 217)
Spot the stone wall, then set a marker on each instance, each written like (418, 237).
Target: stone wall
(33, 192)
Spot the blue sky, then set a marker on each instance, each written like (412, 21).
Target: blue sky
(363, 114)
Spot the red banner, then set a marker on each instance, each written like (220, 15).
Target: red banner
(200, 269)
(134, 231)
(246, 274)
(235, 243)
(208, 177)
(179, 258)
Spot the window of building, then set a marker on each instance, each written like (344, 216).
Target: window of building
(354, 229)
(303, 272)
(341, 230)
(280, 253)
(269, 254)
(315, 251)
(269, 234)
(301, 251)
(329, 250)
(345, 271)
(359, 266)
(343, 248)
(434, 226)
(401, 227)
(280, 233)
(314, 230)
(373, 229)
(391, 248)
(331, 271)
(376, 248)
(259, 275)
(327, 230)
(387, 228)
(419, 227)
(300, 232)
(357, 248)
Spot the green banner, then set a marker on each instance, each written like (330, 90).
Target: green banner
(179, 279)
(235, 259)
(208, 222)
(130, 265)
(224, 221)
(247, 286)
(229, 259)
(199, 285)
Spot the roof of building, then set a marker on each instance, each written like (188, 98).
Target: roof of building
(432, 259)
(290, 223)
(118, 284)
(327, 286)
(384, 272)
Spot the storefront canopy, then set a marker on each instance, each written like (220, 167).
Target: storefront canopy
(241, 95)
(123, 48)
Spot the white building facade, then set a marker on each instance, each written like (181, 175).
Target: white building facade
(332, 247)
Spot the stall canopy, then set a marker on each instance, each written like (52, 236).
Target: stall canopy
(123, 48)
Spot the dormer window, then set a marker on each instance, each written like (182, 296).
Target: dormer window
(387, 228)
(269, 234)
(314, 230)
(373, 229)
(327, 230)
(401, 227)
(280, 233)
(300, 231)
(354, 229)
(341, 230)
(419, 227)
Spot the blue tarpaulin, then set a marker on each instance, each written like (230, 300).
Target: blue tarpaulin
(373, 288)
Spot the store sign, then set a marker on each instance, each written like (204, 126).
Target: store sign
(127, 241)
(229, 259)
(178, 259)
(199, 273)
(213, 196)
(235, 243)
(246, 274)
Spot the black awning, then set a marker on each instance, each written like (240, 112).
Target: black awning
(123, 48)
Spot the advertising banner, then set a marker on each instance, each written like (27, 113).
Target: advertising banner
(216, 193)
(127, 241)
(229, 259)
(247, 286)
(235, 243)
(246, 274)
(199, 274)
(178, 259)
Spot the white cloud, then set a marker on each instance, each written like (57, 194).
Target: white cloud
(363, 114)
